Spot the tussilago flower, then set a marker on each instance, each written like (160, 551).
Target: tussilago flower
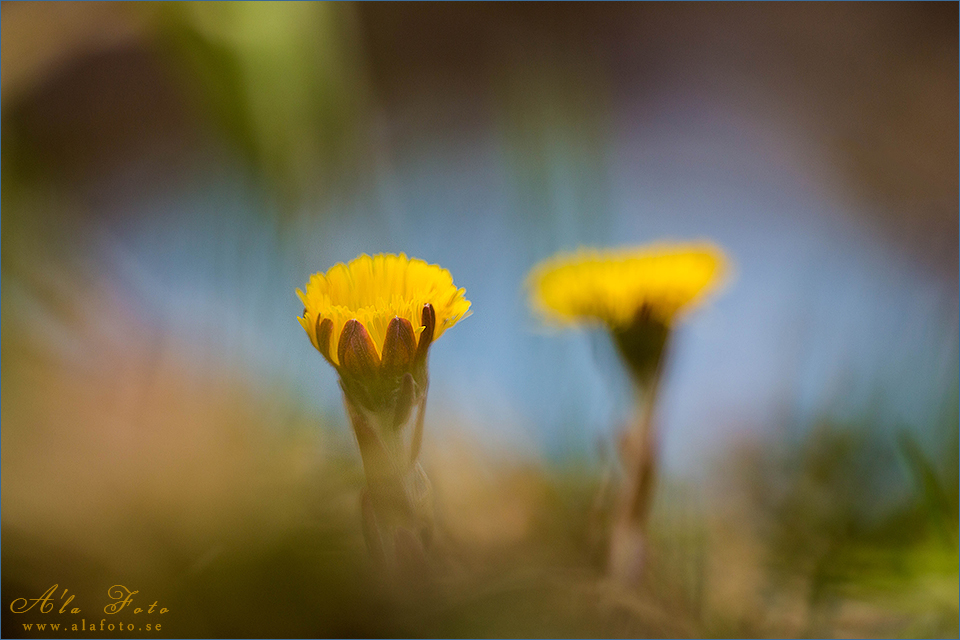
(638, 294)
(374, 291)
(374, 320)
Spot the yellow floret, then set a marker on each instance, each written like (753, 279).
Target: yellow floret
(374, 290)
(613, 287)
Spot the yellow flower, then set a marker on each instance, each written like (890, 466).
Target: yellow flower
(615, 287)
(374, 291)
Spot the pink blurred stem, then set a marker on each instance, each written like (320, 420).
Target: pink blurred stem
(629, 547)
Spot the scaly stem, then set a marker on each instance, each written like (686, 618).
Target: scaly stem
(628, 539)
(396, 504)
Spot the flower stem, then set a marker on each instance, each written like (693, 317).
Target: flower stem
(396, 503)
(628, 540)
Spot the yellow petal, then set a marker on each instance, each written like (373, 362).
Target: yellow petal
(613, 286)
(373, 290)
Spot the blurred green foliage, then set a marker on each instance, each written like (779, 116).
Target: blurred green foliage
(856, 512)
(282, 79)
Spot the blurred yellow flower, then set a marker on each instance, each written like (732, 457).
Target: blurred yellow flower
(373, 291)
(638, 294)
(615, 287)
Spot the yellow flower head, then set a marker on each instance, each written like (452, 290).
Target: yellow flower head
(373, 291)
(614, 287)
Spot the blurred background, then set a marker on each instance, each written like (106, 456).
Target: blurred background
(172, 172)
